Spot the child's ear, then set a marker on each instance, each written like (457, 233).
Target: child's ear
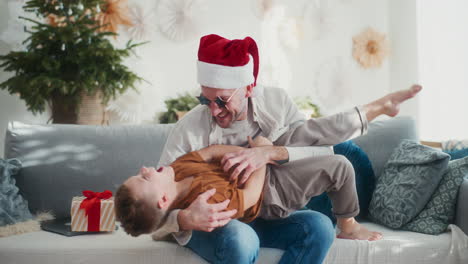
(163, 203)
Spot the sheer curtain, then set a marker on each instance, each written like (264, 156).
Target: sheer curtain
(443, 69)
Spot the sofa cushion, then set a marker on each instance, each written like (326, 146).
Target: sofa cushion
(365, 181)
(440, 210)
(120, 248)
(410, 176)
(88, 157)
(13, 208)
(383, 137)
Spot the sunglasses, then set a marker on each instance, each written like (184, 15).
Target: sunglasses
(219, 101)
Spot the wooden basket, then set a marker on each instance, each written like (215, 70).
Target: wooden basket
(92, 111)
(89, 111)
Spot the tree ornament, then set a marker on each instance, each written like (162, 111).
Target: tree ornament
(114, 13)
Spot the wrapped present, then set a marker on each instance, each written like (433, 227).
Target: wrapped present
(93, 212)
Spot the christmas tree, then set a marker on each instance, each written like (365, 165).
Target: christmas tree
(68, 55)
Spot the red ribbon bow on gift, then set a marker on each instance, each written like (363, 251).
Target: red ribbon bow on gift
(92, 207)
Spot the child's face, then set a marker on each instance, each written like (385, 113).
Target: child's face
(150, 184)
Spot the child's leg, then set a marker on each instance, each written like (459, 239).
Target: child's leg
(294, 183)
(344, 198)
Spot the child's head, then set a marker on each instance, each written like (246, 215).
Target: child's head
(141, 202)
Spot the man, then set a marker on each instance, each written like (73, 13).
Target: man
(232, 108)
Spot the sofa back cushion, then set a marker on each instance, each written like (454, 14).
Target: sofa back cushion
(60, 161)
(383, 137)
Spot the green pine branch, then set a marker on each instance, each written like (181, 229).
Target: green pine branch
(67, 59)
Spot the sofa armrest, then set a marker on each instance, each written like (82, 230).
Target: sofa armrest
(461, 218)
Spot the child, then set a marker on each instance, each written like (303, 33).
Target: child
(143, 200)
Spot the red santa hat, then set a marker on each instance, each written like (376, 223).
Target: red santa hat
(227, 64)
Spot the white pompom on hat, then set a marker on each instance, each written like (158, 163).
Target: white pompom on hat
(227, 64)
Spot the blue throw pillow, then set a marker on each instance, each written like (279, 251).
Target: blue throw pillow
(365, 181)
(457, 154)
(13, 208)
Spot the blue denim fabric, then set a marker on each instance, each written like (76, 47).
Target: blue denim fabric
(306, 237)
(234, 243)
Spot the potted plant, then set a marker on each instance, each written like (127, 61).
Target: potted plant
(177, 107)
(68, 61)
(305, 105)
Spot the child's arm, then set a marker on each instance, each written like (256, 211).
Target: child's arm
(216, 152)
(253, 187)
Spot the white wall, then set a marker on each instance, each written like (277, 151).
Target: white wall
(443, 60)
(170, 65)
(404, 57)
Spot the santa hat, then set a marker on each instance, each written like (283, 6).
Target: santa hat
(227, 64)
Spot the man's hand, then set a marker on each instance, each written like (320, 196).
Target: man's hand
(248, 160)
(201, 215)
(259, 141)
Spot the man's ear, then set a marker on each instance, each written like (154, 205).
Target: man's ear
(164, 202)
(249, 90)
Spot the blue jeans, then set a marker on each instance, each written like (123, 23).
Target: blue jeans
(305, 236)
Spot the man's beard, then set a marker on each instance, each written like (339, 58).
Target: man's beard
(244, 108)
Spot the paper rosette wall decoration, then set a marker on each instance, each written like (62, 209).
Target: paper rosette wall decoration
(114, 13)
(370, 48)
(319, 16)
(291, 33)
(261, 7)
(143, 21)
(134, 107)
(177, 19)
(275, 69)
(333, 85)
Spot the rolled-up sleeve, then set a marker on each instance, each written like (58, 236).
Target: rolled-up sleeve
(171, 227)
(297, 153)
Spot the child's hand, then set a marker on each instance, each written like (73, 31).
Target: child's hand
(259, 141)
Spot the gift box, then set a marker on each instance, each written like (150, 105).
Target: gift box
(93, 212)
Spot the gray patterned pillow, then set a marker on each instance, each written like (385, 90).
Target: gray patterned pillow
(440, 210)
(13, 208)
(409, 178)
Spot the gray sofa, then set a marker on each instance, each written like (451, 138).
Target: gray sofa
(59, 161)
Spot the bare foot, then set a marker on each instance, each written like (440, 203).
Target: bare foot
(391, 103)
(350, 229)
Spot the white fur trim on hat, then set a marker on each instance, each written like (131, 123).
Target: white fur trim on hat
(225, 77)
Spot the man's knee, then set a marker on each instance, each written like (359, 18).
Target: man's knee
(318, 229)
(237, 243)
